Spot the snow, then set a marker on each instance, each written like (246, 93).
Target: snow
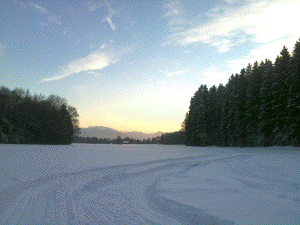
(148, 184)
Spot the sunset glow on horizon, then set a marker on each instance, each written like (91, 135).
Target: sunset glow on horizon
(134, 65)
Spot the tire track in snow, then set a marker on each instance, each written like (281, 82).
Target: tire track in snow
(111, 195)
(184, 213)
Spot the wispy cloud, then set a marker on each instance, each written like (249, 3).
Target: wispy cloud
(51, 18)
(173, 8)
(262, 21)
(111, 13)
(93, 5)
(173, 12)
(231, 1)
(217, 75)
(39, 8)
(174, 73)
(94, 61)
(268, 24)
(266, 51)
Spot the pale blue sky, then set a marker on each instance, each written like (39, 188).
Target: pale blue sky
(134, 65)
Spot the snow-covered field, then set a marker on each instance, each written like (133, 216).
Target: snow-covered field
(148, 184)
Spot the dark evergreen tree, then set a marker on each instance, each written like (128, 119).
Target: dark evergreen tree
(240, 109)
(266, 114)
(175, 138)
(212, 116)
(294, 96)
(219, 108)
(259, 106)
(229, 107)
(280, 92)
(253, 104)
(196, 121)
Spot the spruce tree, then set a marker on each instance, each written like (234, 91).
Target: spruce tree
(212, 117)
(280, 98)
(240, 111)
(253, 103)
(294, 96)
(265, 117)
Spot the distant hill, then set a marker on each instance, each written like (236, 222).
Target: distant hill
(106, 132)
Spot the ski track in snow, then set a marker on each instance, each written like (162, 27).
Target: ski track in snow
(149, 192)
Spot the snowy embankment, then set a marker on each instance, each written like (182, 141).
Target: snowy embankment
(148, 184)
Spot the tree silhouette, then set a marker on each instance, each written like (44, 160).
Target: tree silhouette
(260, 106)
(28, 119)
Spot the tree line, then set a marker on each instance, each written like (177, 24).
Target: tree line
(118, 140)
(260, 106)
(35, 119)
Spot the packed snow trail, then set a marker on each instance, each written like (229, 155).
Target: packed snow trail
(148, 185)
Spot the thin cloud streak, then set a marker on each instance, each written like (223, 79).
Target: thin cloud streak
(267, 51)
(50, 16)
(92, 6)
(174, 73)
(94, 61)
(174, 12)
(111, 13)
(269, 24)
(39, 8)
(173, 9)
(263, 21)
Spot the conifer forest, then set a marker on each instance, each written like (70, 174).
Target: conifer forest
(260, 106)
